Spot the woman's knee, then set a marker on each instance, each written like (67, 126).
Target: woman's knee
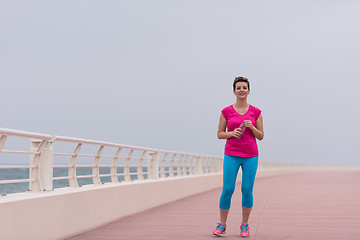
(246, 189)
(228, 191)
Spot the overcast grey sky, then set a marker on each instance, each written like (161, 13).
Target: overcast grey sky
(157, 73)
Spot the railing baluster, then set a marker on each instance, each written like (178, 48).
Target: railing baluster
(207, 165)
(72, 168)
(127, 177)
(211, 165)
(43, 162)
(171, 166)
(153, 165)
(192, 166)
(198, 165)
(2, 141)
(114, 178)
(96, 168)
(162, 168)
(184, 172)
(203, 164)
(218, 166)
(140, 166)
(215, 164)
(178, 170)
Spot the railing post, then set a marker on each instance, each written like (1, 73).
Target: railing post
(184, 170)
(2, 141)
(96, 167)
(198, 165)
(162, 167)
(206, 164)
(43, 161)
(72, 168)
(178, 168)
(192, 165)
(153, 165)
(171, 166)
(140, 175)
(114, 177)
(127, 176)
(219, 165)
(212, 165)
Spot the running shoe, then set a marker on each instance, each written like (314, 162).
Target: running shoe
(220, 229)
(244, 228)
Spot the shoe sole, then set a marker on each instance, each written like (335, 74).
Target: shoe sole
(245, 236)
(219, 235)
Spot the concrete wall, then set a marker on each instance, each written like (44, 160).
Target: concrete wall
(66, 212)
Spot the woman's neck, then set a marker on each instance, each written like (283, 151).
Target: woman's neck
(241, 103)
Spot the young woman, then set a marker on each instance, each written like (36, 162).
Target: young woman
(244, 124)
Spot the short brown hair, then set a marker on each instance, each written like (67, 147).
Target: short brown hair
(241, 79)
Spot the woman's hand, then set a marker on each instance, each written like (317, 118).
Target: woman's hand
(258, 131)
(248, 123)
(236, 133)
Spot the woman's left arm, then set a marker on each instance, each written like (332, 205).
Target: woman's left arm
(258, 131)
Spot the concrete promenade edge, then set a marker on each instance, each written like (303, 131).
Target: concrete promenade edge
(312, 205)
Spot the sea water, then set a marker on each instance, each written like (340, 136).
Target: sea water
(23, 173)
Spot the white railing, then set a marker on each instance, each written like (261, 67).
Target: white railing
(53, 159)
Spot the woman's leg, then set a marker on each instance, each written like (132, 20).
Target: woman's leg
(249, 168)
(230, 170)
(246, 214)
(223, 215)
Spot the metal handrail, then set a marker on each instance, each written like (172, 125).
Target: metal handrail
(138, 163)
(16, 181)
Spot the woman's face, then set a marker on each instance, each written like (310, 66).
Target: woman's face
(241, 90)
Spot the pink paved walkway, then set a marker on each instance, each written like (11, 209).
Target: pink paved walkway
(312, 205)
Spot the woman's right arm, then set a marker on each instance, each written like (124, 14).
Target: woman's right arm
(222, 134)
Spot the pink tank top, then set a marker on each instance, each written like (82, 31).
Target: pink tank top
(246, 145)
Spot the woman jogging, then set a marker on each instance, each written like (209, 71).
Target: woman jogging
(244, 125)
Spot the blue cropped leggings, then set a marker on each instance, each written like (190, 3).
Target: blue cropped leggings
(230, 170)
